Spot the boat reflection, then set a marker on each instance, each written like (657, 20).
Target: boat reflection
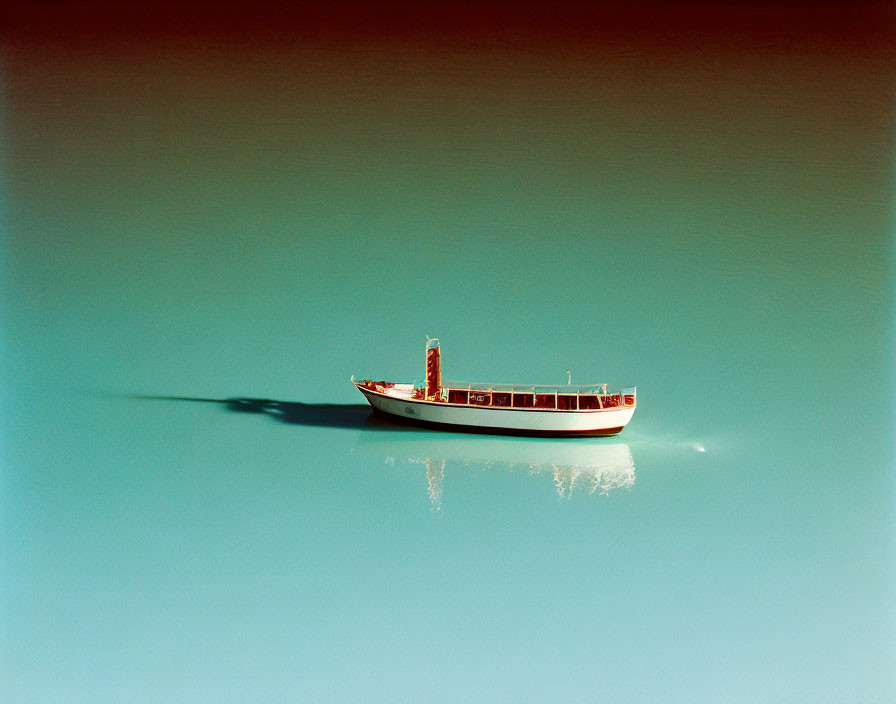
(580, 465)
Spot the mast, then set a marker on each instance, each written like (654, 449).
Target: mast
(433, 369)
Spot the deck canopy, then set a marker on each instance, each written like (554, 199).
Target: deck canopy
(528, 389)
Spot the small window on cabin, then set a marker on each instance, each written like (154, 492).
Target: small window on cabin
(566, 402)
(480, 398)
(457, 396)
(523, 400)
(500, 398)
(544, 400)
(588, 402)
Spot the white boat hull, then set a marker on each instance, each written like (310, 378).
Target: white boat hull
(530, 421)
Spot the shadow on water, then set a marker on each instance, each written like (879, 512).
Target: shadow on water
(322, 415)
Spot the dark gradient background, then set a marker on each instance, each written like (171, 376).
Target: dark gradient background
(213, 201)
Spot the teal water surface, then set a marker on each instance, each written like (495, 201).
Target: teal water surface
(192, 222)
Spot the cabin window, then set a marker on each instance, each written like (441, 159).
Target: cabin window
(629, 400)
(480, 398)
(500, 398)
(611, 400)
(457, 395)
(566, 402)
(523, 400)
(544, 400)
(588, 402)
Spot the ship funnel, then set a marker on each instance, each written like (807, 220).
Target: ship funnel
(433, 369)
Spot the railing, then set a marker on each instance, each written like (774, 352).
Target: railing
(528, 388)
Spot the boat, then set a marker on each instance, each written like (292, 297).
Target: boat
(581, 410)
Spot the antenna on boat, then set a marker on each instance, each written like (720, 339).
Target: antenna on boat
(568, 377)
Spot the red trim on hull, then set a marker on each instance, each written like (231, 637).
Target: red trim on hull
(454, 427)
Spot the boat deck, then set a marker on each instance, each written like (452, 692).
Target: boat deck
(561, 398)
